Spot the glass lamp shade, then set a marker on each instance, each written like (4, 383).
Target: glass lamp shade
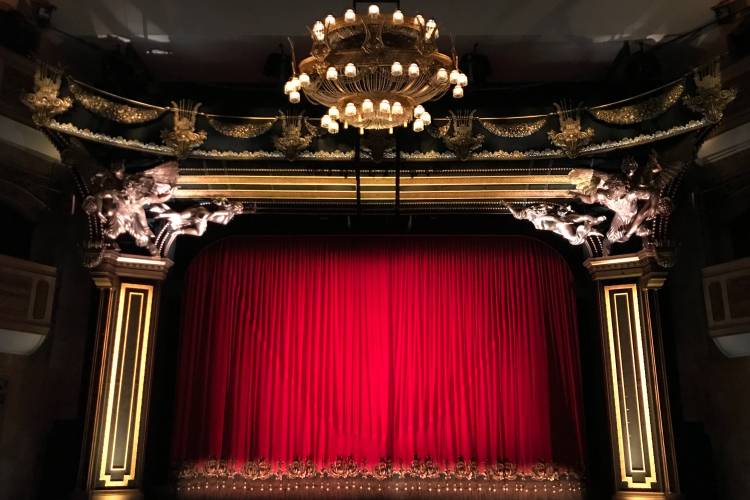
(350, 16)
(304, 80)
(418, 111)
(418, 125)
(458, 92)
(330, 20)
(442, 75)
(325, 121)
(367, 106)
(413, 70)
(385, 106)
(350, 109)
(397, 109)
(398, 17)
(294, 97)
(373, 10)
(397, 69)
(350, 70)
(454, 77)
(426, 118)
(333, 112)
(332, 74)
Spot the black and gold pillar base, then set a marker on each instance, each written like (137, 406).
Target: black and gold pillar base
(640, 425)
(121, 374)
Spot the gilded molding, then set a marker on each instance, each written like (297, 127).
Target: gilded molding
(642, 111)
(339, 155)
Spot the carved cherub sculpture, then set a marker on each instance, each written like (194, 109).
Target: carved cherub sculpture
(121, 202)
(636, 196)
(561, 220)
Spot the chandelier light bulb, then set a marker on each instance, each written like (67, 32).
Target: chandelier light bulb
(418, 125)
(441, 76)
(458, 92)
(419, 20)
(294, 97)
(350, 109)
(304, 80)
(398, 17)
(330, 20)
(426, 118)
(454, 77)
(413, 70)
(333, 112)
(385, 106)
(350, 16)
(325, 121)
(397, 69)
(333, 128)
(318, 31)
(367, 106)
(288, 87)
(397, 109)
(431, 29)
(373, 10)
(418, 111)
(332, 74)
(295, 84)
(350, 70)
(463, 80)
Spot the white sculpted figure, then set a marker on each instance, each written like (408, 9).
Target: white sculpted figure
(122, 208)
(561, 220)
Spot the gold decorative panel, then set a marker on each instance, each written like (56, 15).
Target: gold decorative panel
(124, 386)
(632, 410)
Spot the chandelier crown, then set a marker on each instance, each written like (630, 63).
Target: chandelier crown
(378, 68)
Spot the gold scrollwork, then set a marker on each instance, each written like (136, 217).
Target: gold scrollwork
(45, 102)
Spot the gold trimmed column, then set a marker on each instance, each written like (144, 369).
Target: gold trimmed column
(121, 373)
(640, 424)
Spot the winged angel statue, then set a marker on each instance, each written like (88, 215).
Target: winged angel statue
(120, 204)
(637, 196)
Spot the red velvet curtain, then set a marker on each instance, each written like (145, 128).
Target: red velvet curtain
(326, 347)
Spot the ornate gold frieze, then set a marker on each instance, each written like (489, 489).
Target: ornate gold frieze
(45, 102)
(121, 113)
(642, 111)
(183, 138)
(571, 138)
(338, 155)
(246, 130)
(710, 98)
(513, 129)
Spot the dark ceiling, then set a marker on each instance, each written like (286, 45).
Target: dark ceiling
(230, 40)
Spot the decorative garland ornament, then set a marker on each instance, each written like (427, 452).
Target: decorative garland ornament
(513, 129)
(120, 113)
(642, 111)
(246, 130)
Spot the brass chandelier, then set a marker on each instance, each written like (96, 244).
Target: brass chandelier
(375, 71)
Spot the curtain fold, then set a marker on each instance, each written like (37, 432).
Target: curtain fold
(379, 348)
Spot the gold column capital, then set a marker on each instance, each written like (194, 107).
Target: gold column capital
(646, 267)
(116, 265)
